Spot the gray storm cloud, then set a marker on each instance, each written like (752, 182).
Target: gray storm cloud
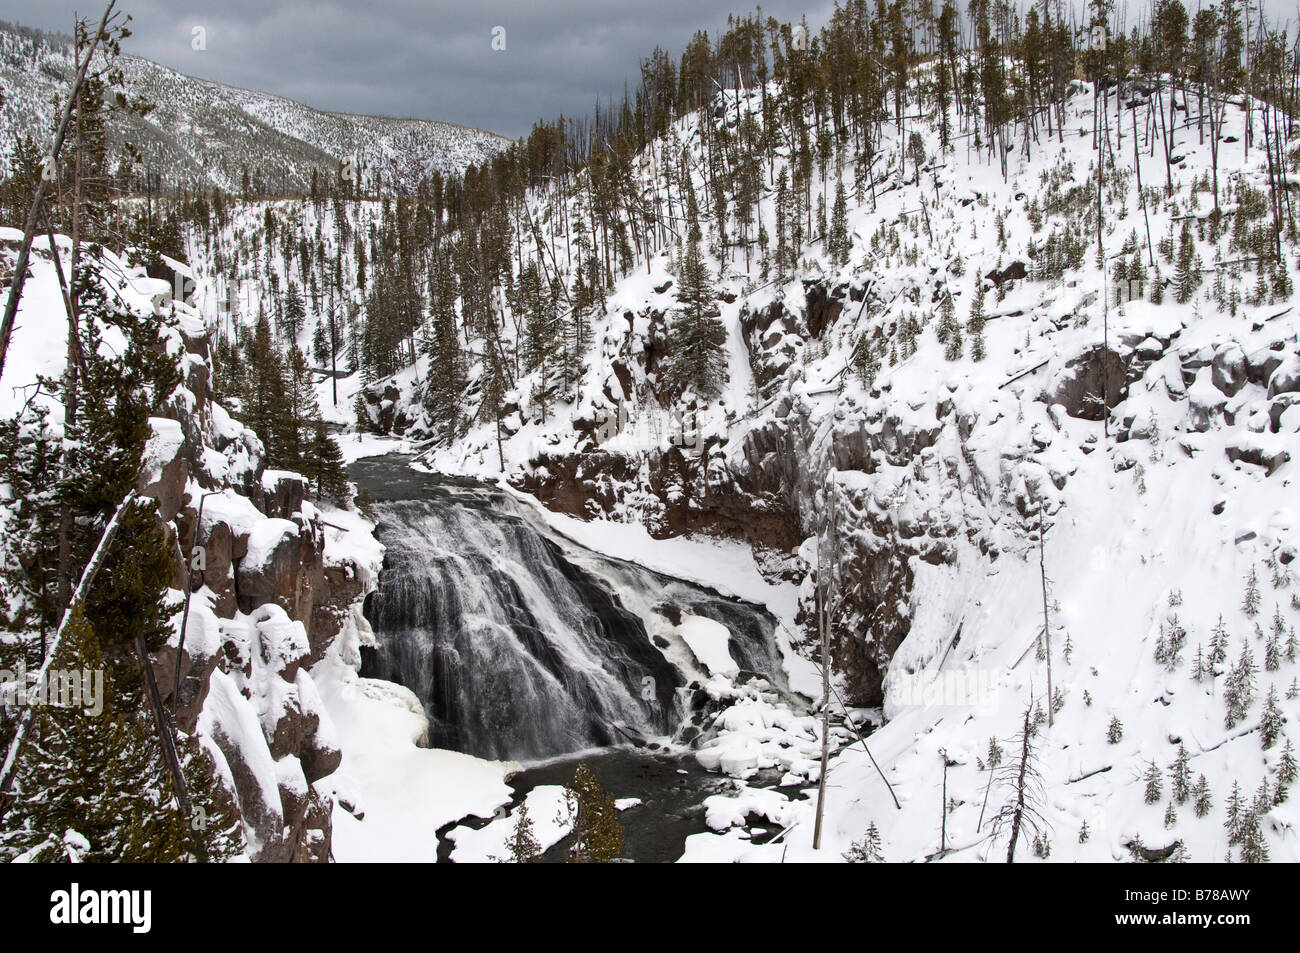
(432, 60)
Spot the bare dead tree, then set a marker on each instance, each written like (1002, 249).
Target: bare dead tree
(825, 591)
(1022, 812)
(1047, 629)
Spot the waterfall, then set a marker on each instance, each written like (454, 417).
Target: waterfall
(522, 645)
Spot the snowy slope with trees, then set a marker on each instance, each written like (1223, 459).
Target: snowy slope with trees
(952, 360)
(202, 135)
(966, 345)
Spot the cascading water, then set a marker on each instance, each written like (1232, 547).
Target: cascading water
(519, 643)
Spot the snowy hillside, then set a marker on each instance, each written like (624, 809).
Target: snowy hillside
(207, 134)
(943, 470)
(979, 395)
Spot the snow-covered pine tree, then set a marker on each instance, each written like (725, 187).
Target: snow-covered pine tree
(697, 359)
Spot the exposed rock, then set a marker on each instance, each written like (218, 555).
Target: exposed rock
(1286, 378)
(1228, 370)
(283, 493)
(1079, 387)
(1012, 272)
(820, 310)
(283, 566)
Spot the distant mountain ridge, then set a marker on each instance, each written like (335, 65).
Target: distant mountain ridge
(205, 134)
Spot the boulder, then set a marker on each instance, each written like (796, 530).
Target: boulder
(1228, 369)
(165, 469)
(1286, 378)
(1080, 385)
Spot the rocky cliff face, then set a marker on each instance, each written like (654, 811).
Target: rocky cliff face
(914, 471)
(272, 588)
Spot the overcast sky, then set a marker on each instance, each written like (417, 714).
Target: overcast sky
(431, 59)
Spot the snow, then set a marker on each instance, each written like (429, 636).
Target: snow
(226, 713)
(406, 792)
(265, 537)
(548, 812)
(1152, 522)
(1163, 517)
(708, 640)
(163, 445)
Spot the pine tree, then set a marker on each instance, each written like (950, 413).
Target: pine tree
(29, 449)
(1250, 602)
(1115, 732)
(840, 244)
(1236, 809)
(263, 404)
(949, 330)
(1154, 783)
(597, 833)
(1272, 722)
(1201, 797)
(1219, 644)
(1240, 686)
(697, 360)
(1286, 772)
(293, 314)
(100, 776)
(1188, 277)
(292, 430)
(492, 391)
(867, 850)
(445, 383)
(1254, 848)
(522, 846)
(324, 466)
(1181, 776)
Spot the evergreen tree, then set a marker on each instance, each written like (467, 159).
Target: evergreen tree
(1272, 722)
(1239, 689)
(1188, 276)
(697, 361)
(1286, 772)
(492, 391)
(522, 846)
(1236, 810)
(91, 787)
(949, 330)
(867, 850)
(293, 313)
(263, 404)
(840, 245)
(444, 385)
(1201, 797)
(1154, 783)
(323, 465)
(597, 833)
(975, 321)
(1250, 602)
(1181, 776)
